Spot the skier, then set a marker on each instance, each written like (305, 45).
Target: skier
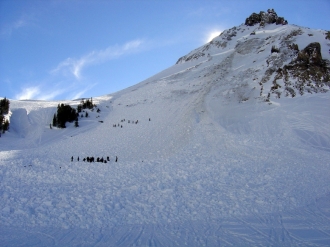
(116, 158)
(71, 158)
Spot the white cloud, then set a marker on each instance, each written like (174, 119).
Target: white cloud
(28, 93)
(72, 66)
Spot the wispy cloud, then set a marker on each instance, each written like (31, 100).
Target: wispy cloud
(28, 93)
(78, 94)
(8, 28)
(74, 67)
(38, 92)
(66, 78)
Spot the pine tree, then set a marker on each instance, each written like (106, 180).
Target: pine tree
(4, 109)
(2, 118)
(5, 126)
(76, 124)
(79, 107)
(65, 113)
(4, 106)
(55, 120)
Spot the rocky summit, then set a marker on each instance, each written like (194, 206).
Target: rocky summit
(264, 18)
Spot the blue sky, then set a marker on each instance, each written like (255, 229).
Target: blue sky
(67, 49)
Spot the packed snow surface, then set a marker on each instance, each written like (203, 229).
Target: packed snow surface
(202, 161)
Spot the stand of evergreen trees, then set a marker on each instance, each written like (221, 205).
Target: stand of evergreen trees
(4, 109)
(66, 113)
(88, 104)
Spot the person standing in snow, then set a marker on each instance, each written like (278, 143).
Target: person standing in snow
(71, 158)
(116, 158)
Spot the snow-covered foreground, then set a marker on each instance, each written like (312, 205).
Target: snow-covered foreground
(202, 161)
(250, 177)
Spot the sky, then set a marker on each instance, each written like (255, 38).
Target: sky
(70, 49)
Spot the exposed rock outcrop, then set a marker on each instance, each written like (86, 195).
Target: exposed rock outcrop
(264, 18)
(190, 57)
(308, 72)
(311, 55)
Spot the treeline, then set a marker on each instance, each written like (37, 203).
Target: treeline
(88, 104)
(65, 113)
(4, 109)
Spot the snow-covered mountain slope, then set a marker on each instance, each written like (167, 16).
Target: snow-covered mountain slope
(209, 153)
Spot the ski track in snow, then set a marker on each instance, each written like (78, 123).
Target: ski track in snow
(205, 171)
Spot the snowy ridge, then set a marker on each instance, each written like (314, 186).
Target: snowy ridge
(205, 159)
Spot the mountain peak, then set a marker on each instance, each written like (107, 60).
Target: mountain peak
(264, 18)
(273, 58)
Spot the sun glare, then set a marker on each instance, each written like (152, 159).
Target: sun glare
(212, 35)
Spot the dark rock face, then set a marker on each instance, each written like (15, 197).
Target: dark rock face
(281, 21)
(191, 57)
(311, 54)
(265, 18)
(327, 35)
(307, 73)
(253, 19)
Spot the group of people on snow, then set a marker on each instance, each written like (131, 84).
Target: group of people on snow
(103, 160)
(129, 121)
(92, 159)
